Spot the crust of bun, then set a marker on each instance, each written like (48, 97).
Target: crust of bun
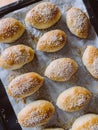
(77, 22)
(61, 69)
(43, 15)
(15, 57)
(10, 30)
(73, 99)
(25, 85)
(52, 41)
(90, 60)
(86, 122)
(36, 113)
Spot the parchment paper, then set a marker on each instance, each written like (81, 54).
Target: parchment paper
(50, 90)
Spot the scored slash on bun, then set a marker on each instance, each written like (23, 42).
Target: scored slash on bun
(10, 30)
(43, 15)
(52, 41)
(90, 60)
(25, 85)
(86, 122)
(15, 57)
(61, 69)
(77, 22)
(73, 99)
(36, 113)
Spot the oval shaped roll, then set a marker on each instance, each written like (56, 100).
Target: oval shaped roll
(86, 122)
(52, 41)
(61, 69)
(73, 99)
(43, 15)
(36, 113)
(25, 85)
(54, 129)
(90, 60)
(77, 22)
(16, 56)
(10, 30)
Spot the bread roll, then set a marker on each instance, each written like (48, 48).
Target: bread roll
(86, 122)
(77, 22)
(73, 99)
(36, 113)
(43, 15)
(61, 69)
(25, 85)
(54, 129)
(52, 41)
(10, 30)
(90, 60)
(16, 56)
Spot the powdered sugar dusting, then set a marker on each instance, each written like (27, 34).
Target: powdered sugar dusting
(95, 64)
(35, 119)
(79, 101)
(94, 127)
(55, 40)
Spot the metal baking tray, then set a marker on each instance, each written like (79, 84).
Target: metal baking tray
(15, 5)
(8, 120)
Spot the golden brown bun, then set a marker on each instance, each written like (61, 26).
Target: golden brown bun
(16, 56)
(36, 113)
(73, 99)
(10, 30)
(86, 122)
(77, 22)
(52, 41)
(54, 129)
(43, 15)
(90, 60)
(25, 85)
(61, 69)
